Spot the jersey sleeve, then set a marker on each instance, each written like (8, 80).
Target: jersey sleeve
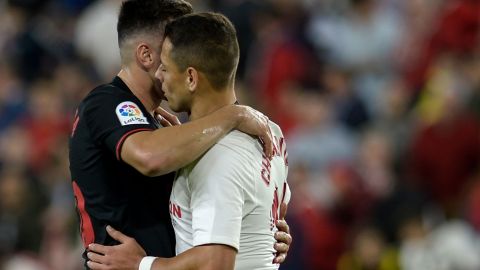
(112, 117)
(217, 196)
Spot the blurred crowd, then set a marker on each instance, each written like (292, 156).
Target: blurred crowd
(379, 101)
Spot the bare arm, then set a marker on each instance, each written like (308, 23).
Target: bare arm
(167, 149)
(205, 257)
(128, 254)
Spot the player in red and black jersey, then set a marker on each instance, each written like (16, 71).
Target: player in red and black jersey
(120, 159)
(107, 189)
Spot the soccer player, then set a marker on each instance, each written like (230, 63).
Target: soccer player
(120, 158)
(224, 205)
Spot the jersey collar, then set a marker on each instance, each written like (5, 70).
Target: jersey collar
(117, 81)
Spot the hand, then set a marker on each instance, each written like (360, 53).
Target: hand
(283, 237)
(125, 256)
(166, 119)
(256, 123)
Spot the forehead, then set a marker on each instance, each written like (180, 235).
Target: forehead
(166, 48)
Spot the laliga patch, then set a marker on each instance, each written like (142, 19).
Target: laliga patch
(129, 114)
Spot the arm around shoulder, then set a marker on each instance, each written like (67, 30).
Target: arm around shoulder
(168, 149)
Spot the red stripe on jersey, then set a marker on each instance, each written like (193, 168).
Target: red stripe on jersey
(75, 123)
(86, 227)
(120, 142)
(284, 191)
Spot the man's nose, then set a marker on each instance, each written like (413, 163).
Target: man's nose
(158, 75)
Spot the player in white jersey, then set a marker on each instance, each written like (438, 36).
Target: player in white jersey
(223, 206)
(231, 196)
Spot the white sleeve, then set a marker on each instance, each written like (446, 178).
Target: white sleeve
(217, 196)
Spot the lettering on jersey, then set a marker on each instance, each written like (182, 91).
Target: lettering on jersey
(280, 149)
(175, 210)
(129, 113)
(283, 150)
(274, 212)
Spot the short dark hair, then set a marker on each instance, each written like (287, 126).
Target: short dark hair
(208, 42)
(148, 15)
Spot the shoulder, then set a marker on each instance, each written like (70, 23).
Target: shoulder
(234, 152)
(239, 143)
(109, 98)
(106, 93)
(276, 130)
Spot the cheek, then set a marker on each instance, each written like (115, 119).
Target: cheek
(165, 80)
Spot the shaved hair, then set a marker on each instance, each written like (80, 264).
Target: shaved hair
(147, 17)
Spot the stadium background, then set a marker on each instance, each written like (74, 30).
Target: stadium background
(379, 101)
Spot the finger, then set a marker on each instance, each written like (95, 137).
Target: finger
(281, 247)
(283, 237)
(100, 249)
(282, 226)
(94, 257)
(270, 134)
(268, 143)
(280, 258)
(168, 116)
(164, 122)
(96, 266)
(120, 237)
(283, 210)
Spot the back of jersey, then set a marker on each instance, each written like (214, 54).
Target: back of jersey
(263, 196)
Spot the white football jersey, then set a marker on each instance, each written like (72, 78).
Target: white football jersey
(232, 196)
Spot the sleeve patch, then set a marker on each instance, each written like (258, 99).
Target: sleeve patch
(129, 113)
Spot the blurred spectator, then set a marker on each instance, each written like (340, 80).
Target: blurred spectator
(375, 165)
(279, 60)
(369, 252)
(319, 250)
(319, 140)
(349, 108)
(24, 262)
(14, 146)
(472, 78)
(96, 37)
(396, 121)
(445, 149)
(46, 123)
(455, 30)
(472, 202)
(361, 40)
(12, 98)
(453, 245)
(20, 211)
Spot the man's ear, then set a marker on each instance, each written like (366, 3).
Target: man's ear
(144, 54)
(192, 78)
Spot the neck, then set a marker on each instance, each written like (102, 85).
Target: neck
(211, 100)
(141, 85)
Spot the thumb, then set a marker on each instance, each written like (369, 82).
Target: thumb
(117, 235)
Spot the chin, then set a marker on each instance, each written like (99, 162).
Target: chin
(172, 106)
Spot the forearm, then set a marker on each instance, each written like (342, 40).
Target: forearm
(217, 257)
(180, 262)
(171, 148)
